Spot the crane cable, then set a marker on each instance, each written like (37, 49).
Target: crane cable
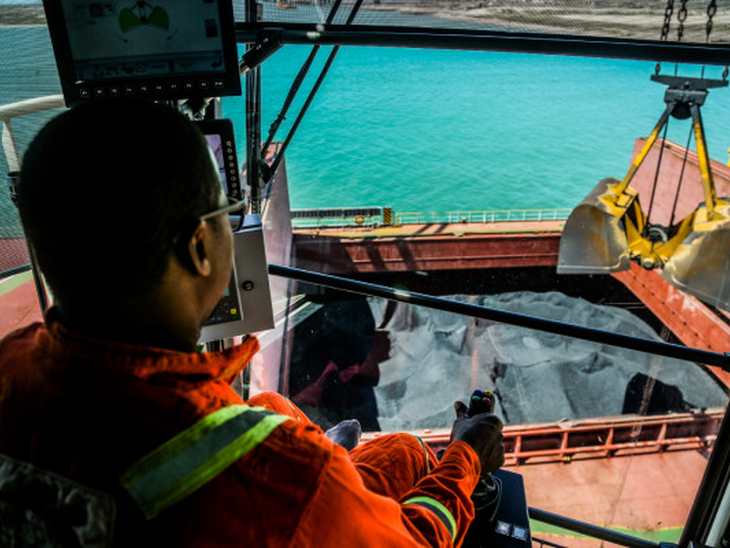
(681, 17)
(668, 11)
(297, 83)
(308, 101)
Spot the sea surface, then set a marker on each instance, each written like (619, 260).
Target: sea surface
(429, 130)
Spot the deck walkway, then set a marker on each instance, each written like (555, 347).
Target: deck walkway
(436, 229)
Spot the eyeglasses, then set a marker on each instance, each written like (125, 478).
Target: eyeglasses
(236, 213)
(234, 209)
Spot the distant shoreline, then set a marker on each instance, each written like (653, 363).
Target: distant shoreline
(615, 18)
(621, 18)
(22, 16)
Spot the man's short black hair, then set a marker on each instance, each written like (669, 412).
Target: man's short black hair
(104, 190)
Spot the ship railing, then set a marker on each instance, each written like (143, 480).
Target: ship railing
(13, 253)
(605, 437)
(339, 217)
(373, 217)
(21, 108)
(483, 216)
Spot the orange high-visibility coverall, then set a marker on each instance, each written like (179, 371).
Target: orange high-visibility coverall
(94, 410)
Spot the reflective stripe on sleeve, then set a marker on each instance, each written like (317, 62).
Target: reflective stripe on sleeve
(195, 456)
(437, 508)
(425, 453)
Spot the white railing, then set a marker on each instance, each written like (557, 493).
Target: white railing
(20, 108)
(314, 218)
(486, 216)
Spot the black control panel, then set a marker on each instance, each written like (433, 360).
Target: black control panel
(164, 49)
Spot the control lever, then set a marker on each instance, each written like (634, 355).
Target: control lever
(488, 492)
(480, 402)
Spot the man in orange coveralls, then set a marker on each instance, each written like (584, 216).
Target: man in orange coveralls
(122, 203)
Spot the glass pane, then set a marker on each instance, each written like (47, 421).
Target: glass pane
(452, 174)
(613, 18)
(27, 71)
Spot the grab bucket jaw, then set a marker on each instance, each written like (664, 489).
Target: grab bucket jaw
(701, 264)
(594, 239)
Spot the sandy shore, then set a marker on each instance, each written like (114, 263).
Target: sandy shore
(12, 16)
(620, 18)
(613, 18)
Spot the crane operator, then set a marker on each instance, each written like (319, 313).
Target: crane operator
(122, 204)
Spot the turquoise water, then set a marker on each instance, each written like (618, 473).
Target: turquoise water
(427, 130)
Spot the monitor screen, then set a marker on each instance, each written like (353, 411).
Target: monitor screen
(221, 140)
(164, 49)
(228, 308)
(246, 305)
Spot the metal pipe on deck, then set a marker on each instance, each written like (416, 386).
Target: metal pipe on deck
(591, 530)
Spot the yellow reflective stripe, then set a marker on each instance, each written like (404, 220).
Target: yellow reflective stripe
(167, 450)
(437, 508)
(425, 452)
(196, 455)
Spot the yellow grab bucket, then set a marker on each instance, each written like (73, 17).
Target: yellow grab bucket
(594, 239)
(701, 264)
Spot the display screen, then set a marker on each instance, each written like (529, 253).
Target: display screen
(221, 140)
(219, 135)
(165, 48)
(116, 39)
(215, 142)
(228, 308)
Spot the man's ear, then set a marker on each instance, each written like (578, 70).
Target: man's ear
(199, 251)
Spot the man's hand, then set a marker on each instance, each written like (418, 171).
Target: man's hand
(483, 432)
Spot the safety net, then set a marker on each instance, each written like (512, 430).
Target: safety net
(28, 72)
(690, 21)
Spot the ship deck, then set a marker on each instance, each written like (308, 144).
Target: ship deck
(414, 247)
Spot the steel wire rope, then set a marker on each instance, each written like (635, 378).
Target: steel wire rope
(681, 17)
(312, 93)
(681, 178)
(668, 11)
(711, 11)
(656, 174)
(297, 84)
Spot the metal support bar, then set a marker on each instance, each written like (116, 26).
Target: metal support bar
(253, 122)
(708, 185)
(645, 149)
(530, 322)
(482, 40)
(707, 509)
(591, 530)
